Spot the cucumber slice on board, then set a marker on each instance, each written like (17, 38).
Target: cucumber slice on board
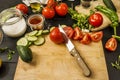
(33, 33)
(52, 28)
(45, 31)
(39, 33)
(32, 38)
(22, 41)
(39, 41)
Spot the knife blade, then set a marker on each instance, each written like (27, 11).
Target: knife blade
(73, 51)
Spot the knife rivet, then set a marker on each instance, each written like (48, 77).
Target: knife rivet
(76, 54)
(78, 58)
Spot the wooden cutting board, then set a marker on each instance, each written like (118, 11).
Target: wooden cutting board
(53, 62)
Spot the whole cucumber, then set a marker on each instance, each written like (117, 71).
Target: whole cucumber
(25, 53)
(109, 4)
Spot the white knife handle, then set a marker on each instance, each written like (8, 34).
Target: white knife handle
(82, 64)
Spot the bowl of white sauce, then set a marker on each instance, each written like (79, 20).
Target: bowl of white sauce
(12, 22)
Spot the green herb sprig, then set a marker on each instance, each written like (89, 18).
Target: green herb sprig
(9, 51)
(116, 64)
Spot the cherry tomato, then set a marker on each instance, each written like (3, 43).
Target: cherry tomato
(69, 31)
(77, 34)
(86, 39)
(51, 3)
(56, 36)
(96, 36)
(61, 9)
(111, 44)
(96, 19)
(23, 8)
(48, 12)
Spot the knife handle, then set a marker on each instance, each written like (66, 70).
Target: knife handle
(82, 64)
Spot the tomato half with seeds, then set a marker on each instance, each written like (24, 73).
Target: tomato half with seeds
(96, 36)
(69, 31)
(111, 44)
(56, 36)
(95, 19)
(77, 33)
(86, 39)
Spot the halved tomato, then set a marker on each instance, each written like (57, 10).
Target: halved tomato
(69, 31)
(77, 34)
(111, 44)
(96, 36)
(86, 39)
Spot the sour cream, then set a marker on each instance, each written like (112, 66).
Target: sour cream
(15, 30)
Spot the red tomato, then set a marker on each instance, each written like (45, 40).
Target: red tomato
(48, 12)
(77, 34)
(86, 39)
(96, 19)
(111, 44)
(56, 36)
(23, 8)
(69, 31)
(96, 36)
(51, 3)
(61, 9)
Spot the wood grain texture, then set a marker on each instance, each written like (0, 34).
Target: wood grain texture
(53, 62)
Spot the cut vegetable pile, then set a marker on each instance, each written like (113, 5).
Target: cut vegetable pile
(34, 37)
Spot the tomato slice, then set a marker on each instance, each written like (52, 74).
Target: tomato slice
(69, 31)
(86, 39)
(77, 34)
(111, 44)
(96, 36)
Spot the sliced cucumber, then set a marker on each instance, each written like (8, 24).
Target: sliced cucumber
(39, 33)
(45, 31)
(22, 41)
(39, 41)
(32, 38)
(33, 33)
(52, 28)
(30, 43)
(26, 35)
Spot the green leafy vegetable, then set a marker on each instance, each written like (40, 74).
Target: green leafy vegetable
(82, 19)
(112, 15)
(10, 52)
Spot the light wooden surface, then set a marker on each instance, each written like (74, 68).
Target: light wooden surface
(53, 62)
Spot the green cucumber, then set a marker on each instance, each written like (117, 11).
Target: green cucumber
(45, 31)
(32, 38)
(39, 41)
(22, 41)
(25, 53)
(52, 28)
(109, 4)
(39, 33)
(33, 33)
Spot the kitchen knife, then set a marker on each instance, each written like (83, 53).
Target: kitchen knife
(75, 53)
